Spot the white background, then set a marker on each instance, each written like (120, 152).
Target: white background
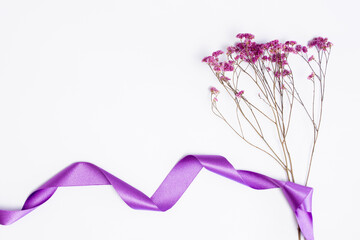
(121, 84)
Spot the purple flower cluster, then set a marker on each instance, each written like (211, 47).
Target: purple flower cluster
(248, 51)
(320, 43)
(248, 36)
(252, 52)
(299, 48)
(218, 66)
(283, 73)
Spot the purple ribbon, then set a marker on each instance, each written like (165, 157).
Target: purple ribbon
(170, 190)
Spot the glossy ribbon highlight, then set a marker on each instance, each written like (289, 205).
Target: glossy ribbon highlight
(170, 190)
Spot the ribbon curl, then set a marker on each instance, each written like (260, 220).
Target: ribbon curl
(170, 190)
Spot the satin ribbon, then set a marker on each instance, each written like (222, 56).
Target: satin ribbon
(170, 190)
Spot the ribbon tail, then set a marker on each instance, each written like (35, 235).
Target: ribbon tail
(305, 222)
(304, 217)
(299, 198)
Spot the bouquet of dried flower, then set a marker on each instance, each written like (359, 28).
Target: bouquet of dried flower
(263, 120)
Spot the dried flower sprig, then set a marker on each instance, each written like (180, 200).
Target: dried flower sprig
(267, 66)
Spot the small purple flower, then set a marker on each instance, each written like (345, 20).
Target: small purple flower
(311, 76)
(239, 35)
(230, 50)
(217, 53)
(285, 72)
(206, 59)
(239, 94)
(298, 48)
(248, 36)
(304, 49)
(214, 90)
(288, 49)
(217, 68)
(224, 78)
(228, 67)
(292, 43)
